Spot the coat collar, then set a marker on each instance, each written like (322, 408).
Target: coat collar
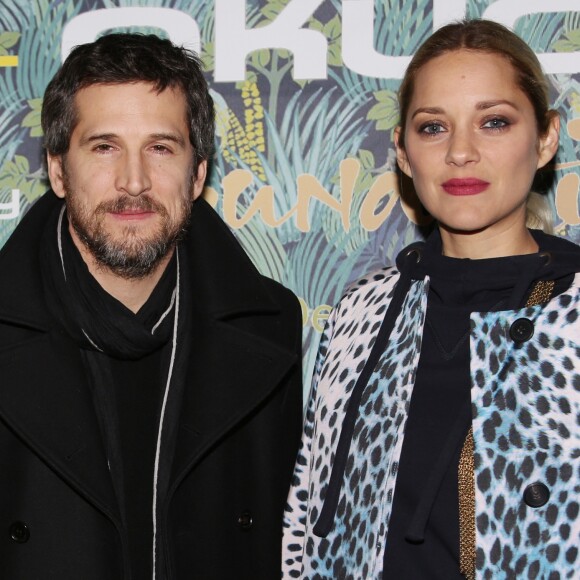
(223, 277)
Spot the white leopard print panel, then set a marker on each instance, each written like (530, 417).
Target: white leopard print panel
(355, 546)
(526, 427)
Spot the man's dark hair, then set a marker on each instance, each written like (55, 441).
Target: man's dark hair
(128, 58)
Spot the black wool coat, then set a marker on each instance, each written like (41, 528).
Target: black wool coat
(237, 427)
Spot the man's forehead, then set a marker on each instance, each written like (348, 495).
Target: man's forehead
(110, 108)
(145, 88)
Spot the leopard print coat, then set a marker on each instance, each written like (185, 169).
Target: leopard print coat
(526, 428)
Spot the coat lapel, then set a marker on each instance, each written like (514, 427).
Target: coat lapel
(44, 398)
(234, 364)
(231, 373)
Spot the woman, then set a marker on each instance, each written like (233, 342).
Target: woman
(441, 438)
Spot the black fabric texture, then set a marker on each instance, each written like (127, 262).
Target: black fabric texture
(137, 399)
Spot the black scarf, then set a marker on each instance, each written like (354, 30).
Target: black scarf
(91, 316)
(103, 327)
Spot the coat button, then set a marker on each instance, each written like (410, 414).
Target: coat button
(536, 494)
(521, 330)
(245, 520)
(19, 532)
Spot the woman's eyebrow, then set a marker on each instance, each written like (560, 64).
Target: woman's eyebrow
(428, 110)
(489, 104)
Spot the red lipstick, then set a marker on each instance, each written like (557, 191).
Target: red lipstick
(466, 186)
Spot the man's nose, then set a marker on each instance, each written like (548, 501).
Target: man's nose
(133, 174)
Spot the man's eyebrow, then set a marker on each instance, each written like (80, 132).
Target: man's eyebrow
(99, 137)
(173, 137)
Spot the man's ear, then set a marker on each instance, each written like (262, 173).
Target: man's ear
(56, 174)
(402, 160)
(199, 179)
(548, 143)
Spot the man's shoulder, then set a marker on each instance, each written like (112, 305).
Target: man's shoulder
(22, 291)
(31, 225)
(279, 290)
(284, 298)
(218, 255)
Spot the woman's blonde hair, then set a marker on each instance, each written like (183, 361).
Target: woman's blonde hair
(539, 214)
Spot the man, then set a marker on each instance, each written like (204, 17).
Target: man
(150, 398)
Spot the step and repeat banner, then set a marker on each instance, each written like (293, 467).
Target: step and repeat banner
(305, 95)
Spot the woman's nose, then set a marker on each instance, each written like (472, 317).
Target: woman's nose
(462, 148)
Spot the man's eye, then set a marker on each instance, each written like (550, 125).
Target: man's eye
(160, 149)
(104, 147)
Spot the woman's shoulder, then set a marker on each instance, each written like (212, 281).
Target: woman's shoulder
(387, 276)
(374, 281)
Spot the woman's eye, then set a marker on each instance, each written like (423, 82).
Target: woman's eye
(495, 123)
(431, 128)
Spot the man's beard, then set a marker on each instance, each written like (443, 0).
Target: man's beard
(129, 255)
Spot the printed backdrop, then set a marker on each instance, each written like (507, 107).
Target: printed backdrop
(305, 92)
